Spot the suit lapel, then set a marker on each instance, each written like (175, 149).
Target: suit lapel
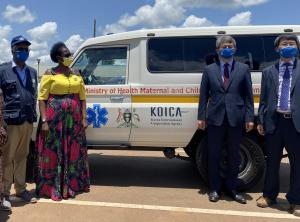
(275, 76)
(217, 71)
(296, 74)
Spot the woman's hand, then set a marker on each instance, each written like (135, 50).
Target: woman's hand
(45, 127)
(84, 123)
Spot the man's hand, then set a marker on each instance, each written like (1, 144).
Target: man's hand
(260, 129)
(201, 124)
(249, 126)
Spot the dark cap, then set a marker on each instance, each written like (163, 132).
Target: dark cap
(19, 39)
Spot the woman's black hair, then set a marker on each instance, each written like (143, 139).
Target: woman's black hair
(56, 51)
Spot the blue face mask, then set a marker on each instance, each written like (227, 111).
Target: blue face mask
(288, 52)
(226, 52)
(21, 55)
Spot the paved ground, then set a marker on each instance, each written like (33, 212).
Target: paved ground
(145, 186)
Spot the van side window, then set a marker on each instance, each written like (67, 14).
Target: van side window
(256, 51)
(103, 66)
(250, 50)
(270, 54)
(180, 54)
(190, 55)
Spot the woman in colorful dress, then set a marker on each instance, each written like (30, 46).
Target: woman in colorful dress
(62, 162)
(4, 204)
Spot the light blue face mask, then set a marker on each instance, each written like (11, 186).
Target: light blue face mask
(21, 55)
(226, 53)
(288, 52)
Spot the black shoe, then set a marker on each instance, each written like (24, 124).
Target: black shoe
(237, 197)
(294, 209)
(27, 197)
(213, 196)
(5, 203)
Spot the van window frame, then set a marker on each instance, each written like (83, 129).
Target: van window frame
(127, 46)
(207, 36)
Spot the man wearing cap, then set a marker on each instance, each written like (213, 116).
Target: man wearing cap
(18, 82)
(279, 121)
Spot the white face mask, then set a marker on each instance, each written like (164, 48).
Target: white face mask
(67, 61)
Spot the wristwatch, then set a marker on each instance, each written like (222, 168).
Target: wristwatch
(44, 120)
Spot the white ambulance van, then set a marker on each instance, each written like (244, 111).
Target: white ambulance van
(143, 89)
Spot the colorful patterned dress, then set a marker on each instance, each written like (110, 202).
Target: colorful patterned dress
(62, 161)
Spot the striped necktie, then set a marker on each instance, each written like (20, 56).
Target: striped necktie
(284, 97)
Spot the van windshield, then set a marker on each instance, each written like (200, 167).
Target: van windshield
(103, 66)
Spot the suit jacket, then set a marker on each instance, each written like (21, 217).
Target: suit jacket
(269, 97)
(236, 101)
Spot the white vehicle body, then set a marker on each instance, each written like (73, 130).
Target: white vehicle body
(153, 108)
(143, 89)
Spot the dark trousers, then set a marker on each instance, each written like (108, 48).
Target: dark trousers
(218, 136)
(286, 136)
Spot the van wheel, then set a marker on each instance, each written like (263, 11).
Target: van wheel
(252, 164)
(190, 152)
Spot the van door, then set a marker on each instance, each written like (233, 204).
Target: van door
(105, 73)
(167, 102)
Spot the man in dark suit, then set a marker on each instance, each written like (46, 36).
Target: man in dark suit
(225, 107)
(279, 121)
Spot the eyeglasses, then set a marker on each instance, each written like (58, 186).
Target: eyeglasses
(288, 43)
(22, 49)
(227, 46)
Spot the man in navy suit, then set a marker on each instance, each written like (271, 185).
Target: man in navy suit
(279, 121)
(225, 107)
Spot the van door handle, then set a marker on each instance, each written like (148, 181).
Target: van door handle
(117, 98)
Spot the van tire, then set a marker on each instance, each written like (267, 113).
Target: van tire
(190, 152)
(251, 168)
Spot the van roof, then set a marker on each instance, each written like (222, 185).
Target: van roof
(198, 31)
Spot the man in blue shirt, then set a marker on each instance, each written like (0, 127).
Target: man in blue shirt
(279, 121)
(18, 82)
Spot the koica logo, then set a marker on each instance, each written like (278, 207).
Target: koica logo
(166, 112)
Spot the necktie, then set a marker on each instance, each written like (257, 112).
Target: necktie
(284, 97)
(226, 75)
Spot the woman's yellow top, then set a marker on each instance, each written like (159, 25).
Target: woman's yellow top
(59, 84)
